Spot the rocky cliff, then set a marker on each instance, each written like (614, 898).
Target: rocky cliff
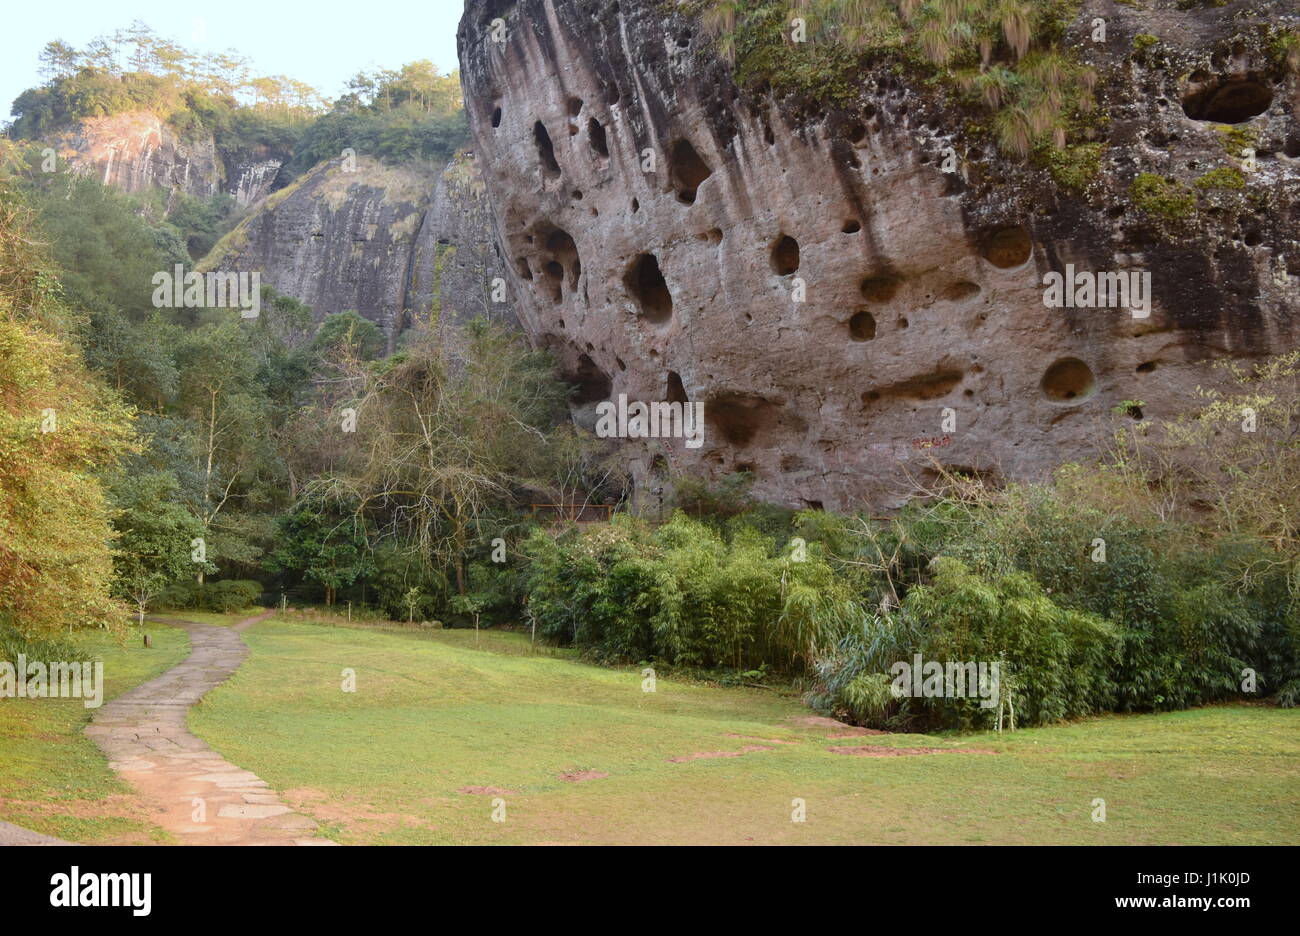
(388, 242)
(846, 309)
(138, 152)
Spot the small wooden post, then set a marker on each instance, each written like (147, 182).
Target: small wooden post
(283, 602)
(349, 612)
(148, 641)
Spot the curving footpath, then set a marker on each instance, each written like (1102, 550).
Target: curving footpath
(145, 736)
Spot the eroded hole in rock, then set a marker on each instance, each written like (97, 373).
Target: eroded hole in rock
(574, 106)
(496, 117)
(686, 170)
(903, 323)
(785, 255)
(1008, 248)
(715, 236)
(1069, 380)
(563, 252)
(645, 283)
(851, 227)
(545, 149)
(927, 386)
(1146, 367)
(591, 384)
(521, 264)
(862, 327)
(879, 288)
(636, 205)
(855, 133)
(1132, 410)
(768, 136)
(957, 292)
(740, 418)
(676, 390)
(554, 276)
(596, 136)
(619, 362)
(1228, 101)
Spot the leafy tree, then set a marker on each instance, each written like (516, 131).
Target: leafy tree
(154, 536)
(327, 546)
(56, 423)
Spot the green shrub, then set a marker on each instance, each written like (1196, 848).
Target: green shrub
(231, 594)
(180, 596)
(685, 595)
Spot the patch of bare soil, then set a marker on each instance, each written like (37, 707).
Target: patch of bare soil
(842, 730)
(741, 737)
(582, 776)
(876, 750)
(486, 791)
(704, 755)
(326, 808)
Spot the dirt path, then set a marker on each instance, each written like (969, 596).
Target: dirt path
(198, 796)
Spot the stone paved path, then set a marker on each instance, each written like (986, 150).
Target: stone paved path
(145, 736)
(11, 834)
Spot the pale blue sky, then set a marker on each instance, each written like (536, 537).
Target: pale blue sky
(322, 44)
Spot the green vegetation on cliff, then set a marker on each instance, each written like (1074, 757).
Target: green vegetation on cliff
(1001, 56)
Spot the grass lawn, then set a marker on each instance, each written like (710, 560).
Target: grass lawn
(53, 779)
(434, 715)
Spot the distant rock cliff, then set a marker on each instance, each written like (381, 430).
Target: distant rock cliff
(389, 242)
(846, 310)
(137, 152)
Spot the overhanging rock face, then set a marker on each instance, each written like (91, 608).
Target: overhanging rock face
(848, 312)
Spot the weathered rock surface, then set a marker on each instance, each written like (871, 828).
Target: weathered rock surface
(387, 242)
(137, 151)
(659, 225)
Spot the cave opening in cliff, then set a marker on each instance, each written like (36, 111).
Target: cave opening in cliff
(646, 284)
(1229, 101)
(740, 418)
(687, 170)
(596, 136)
(1069, 380)
(676, 389)
(554, 274)
(591, 384)
(496, 117)
(785, 255)
(1008, 248)
(545, 149)
(862, 326)
(564, 253)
